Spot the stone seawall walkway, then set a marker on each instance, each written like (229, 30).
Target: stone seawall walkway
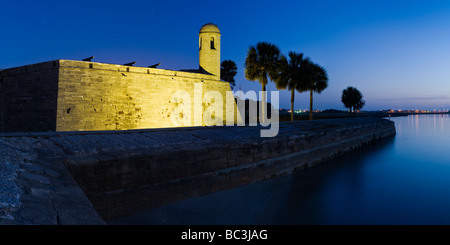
(36, 187)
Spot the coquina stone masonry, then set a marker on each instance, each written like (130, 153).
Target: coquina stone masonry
(68, 95)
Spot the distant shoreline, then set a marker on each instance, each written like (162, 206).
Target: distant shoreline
(328, 114)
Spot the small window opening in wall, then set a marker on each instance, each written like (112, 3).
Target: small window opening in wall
(91, 66)
(148, 71)
(128, 69)
(212, 43)
(68, 110)
(200, 44)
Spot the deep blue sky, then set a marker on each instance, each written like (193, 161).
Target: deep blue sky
(397, 53)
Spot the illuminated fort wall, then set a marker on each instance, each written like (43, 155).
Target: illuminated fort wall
(96, 96)
(67, 95)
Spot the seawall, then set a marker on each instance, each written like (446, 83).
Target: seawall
(110, 174)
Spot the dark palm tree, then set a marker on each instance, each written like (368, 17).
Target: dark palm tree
(317, 81)
(291, 75)
(261, 64)
(352, 99)
(228, 70)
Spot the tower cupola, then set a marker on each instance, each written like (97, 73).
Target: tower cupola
(209, 49)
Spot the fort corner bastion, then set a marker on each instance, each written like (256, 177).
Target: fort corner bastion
(69, 95)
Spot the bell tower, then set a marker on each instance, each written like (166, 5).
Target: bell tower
(209, 49)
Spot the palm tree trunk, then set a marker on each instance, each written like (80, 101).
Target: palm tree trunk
(292, 104)
(263, 104)
(310, 104)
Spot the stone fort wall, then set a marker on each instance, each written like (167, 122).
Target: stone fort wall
(97, 96)
(67, 95)
(28, 97)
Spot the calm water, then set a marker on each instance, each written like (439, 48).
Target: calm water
(404, 180)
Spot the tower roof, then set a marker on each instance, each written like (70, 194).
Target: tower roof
(210, 27)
